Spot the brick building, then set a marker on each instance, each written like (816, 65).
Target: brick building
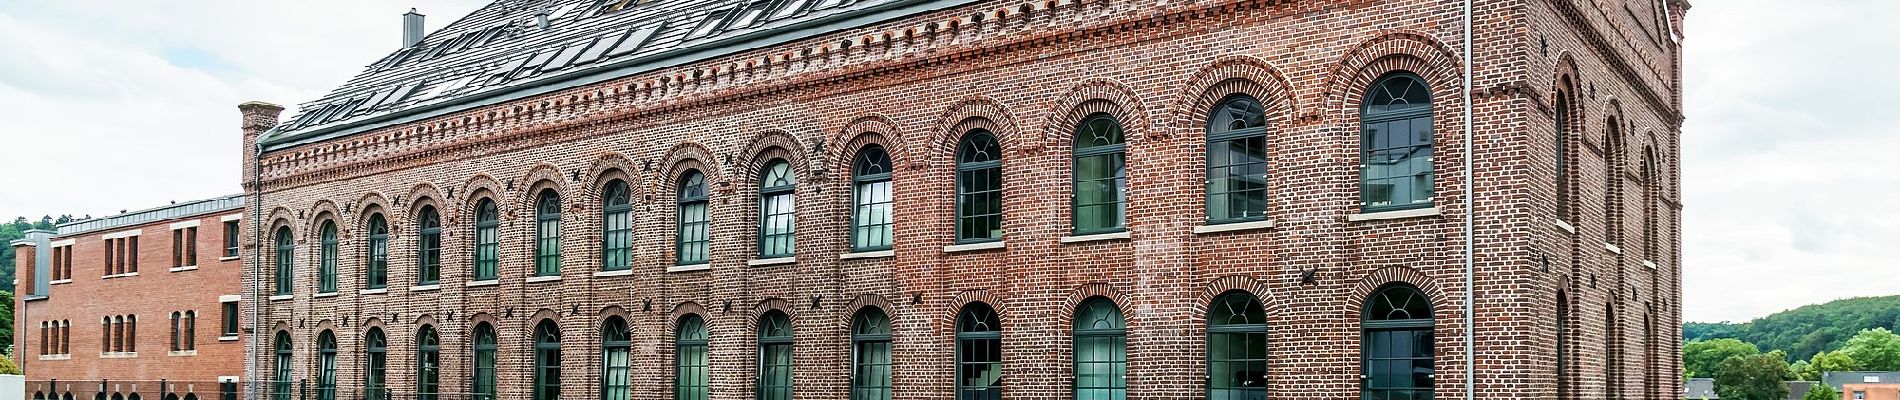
(140, 305)
(935, 199)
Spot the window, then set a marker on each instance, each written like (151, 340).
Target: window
(280, 388)
(1396, 145)
(178, 332)
(230, 327)
(487, 241)
(376, 270)
(377, 362)
(547, 234)
(616, 347)
(1562, 120)
(1612, 180)
(428, 246)
(183, 330)
(692, 219)
(979, 354)
(616, 227)
(1397, 345)
(191, 330)
(777, 209)
(689, 359)
(184, 247)
(1613, 353)
(1649, 173)
(1860, 395)
(871, 355)
(428, 363)
(1101, 351)
(1100, 174)
(1237, 347)
(1237, 161)
(326, 365)
(547, 361)
(871, 200)
(230, 239)
(979, 188)
(1563, 346)
(327, 256)
(775, 356)
(485, 345)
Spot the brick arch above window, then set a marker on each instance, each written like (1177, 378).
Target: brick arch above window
(369, 203)
(1083, 293)
(1221, 286)
(875, 129)
(472, 192)
(971, 114)
(324, 210)
(769, 144)
(863, 302)
(683, 157)
(543, 176)
(947, 318)
(771, 304)
(607, 168)
(1392, 51)
(1090, 97)
(684, 309)
(419, 195)
(1226, 77)
(1443, 307)
(544, 315)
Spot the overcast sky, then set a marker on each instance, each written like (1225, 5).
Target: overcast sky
(133, 104)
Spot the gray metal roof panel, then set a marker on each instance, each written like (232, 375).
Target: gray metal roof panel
(141, 217)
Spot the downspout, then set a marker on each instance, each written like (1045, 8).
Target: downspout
(1471, 355)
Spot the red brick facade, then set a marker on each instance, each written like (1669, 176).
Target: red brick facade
(1029, 71)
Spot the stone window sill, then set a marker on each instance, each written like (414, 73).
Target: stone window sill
(980, 246)
(56, 357)
(184, 268)
(124, 275)
(324, 295)
(132, 354)
(1398, 214)
(227, 258)
(1567, 227)
(689, 268)
(425, 288)
(868, 254)
(1613, 249)
(373, 291)
(771, 261)
(1234, 227)
(231, 338)
(490, 282)
(538, 279)
(60, 282)
(617, 272)
(1650, 264)
(1094, 238)
(184, 353)
(282, 297)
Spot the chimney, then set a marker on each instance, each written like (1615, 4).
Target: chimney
(258, 117)
(541, 16)
(411, 29)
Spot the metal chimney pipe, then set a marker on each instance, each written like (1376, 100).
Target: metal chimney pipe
(411, 28)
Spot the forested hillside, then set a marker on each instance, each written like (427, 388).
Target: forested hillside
(1804, 331)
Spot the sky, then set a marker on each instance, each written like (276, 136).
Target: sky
(133, 105)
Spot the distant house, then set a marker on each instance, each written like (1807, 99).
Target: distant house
(1699, 388)
(1798, 390)
(1839, 379)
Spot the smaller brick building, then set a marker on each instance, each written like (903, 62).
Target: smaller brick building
(141, 305)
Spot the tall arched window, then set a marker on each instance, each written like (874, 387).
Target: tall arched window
(1562, 120)
(286, 254)
(1101, 161)
(979, 188)
(689, 359)
(487, 241)
(1396, 145)
(428, 363)
(191, 330)
(547, 234)
(1563, 346)
(547, 361)
(1650, 388)
(280, 388)
(428, 246)
(1650, 187)
(979, 354)
(326, 365)
(616, 347)
(871, 200)
(178, 325)
(871, 355)
(692, 219)
(1397, 346)
(778, 209)
(376, 363)
(1236, 347)
(1613, 352)
(1612, 181)
(483, 386)
(326, 258)
(616, 226)
(775, 356)
(1237, 161)
(376, 270)
(1101, 351)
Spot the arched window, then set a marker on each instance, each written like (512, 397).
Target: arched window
(979, 188)
(487, 241)
(616, 347)
(286, 250)
(1562, 120)
(1237, 161)
(1101, 163)
(1650, 187)
(178, 326)
(1396, 145)
(1237, 347)
(1613, 353)
(280, 387)
(871, 355)
(327, 258)
(1650, 389)
(191, 330)
(979, 354)
(1612, 181)
(428, 246)
(616, 226)
(547, 361)
(689, 359)
(1101, 351)
(483, 386)
(1563, 346)
(871, 200)
(692, 219)
(775, 356)
(376, 270)
(375, 375)
(428, 363)
(778, 209)
(547, 234)
(326, 365)
(1397, 346)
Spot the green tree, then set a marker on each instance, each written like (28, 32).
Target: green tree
(1701, 357)
(6, 322)
(1833, 361)
(1807, 330)
(1821, 392)
(1875, 349)
(7, 367)
(1753, 377)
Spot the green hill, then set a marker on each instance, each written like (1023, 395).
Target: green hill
(1807, 330)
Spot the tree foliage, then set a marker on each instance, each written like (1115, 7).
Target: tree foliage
(1753, 377)
(1808, 330)
(1702, 357)
(1821, 392)
(1832, 361)
(1876, 349)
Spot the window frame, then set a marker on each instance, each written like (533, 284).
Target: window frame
(1117, 336)
(376, 265)
(616, 340)
(428, 246)
(1225, 137)
(691, 343)
(966, 170)
(285, 260)
(327, 254)
(376, 363)
(1117, 155)
(774, 374)
(546, 384)
(1369, 325)
(778, 201)
(1368, 117)
(862, 181)
(231, 233)
(547, 233)
(280, 379)
(692, 194)
(485, 348)
(326, 365)
(1249, 330)
(428, 363)
(487, 265)
(879, 335)
(965, 338)
(616, 226)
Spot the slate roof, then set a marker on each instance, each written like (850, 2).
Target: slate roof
(501, 50)
(1699, 388)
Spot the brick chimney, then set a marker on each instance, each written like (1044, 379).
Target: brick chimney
(258, 117)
